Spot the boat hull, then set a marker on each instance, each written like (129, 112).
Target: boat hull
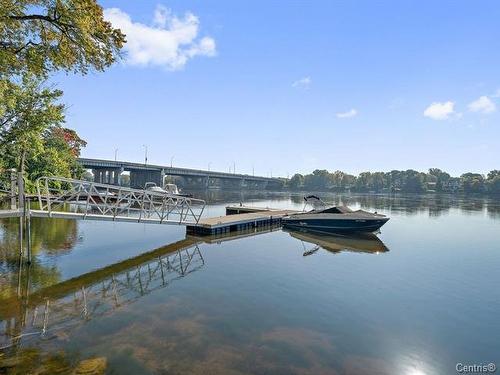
(335, 225)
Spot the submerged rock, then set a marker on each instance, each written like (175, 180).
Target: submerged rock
(92, 366)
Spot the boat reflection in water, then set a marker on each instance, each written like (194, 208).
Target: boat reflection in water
(335, 243)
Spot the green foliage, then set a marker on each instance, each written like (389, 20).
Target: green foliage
(31, 137)
(31, 110)
(472, 183)
(41, 36)
(296, 182)
(409, 181)
(318, 179)
(441, 178)
(37, 38)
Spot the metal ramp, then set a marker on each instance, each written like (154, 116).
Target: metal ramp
(77, 199)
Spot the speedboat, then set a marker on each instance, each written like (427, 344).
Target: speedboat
(336, 219)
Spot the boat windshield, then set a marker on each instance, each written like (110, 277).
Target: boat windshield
(171, 188)
(336, 210)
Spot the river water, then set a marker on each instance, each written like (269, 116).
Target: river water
(125, 298)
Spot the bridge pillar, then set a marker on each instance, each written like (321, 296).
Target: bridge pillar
(138, 178)
(97, 175)
(213, 183)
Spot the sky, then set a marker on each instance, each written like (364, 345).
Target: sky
(280, 87)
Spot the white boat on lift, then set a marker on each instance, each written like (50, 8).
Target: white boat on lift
(170, 189)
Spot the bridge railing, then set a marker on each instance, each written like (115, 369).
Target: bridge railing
(64, 197)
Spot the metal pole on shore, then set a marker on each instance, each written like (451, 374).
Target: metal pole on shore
(13, 189)
(21, 231)
(28, 230)
(20, 202)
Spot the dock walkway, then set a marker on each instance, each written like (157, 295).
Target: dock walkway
(239, 218)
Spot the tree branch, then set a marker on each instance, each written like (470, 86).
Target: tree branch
(55, 20)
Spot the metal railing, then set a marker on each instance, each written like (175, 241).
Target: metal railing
(64, 197)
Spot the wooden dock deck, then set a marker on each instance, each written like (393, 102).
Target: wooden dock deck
(239, 218)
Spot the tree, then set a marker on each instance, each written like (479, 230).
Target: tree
(413, 181)
(493, 182)
(319, 180)
(31, 137)
(494, 173)
(395, 180)
(32, 109)
(363, 181)
(442, 179)
(38, 37)
(472, 183)
(70, 138)
(41, 36)
(348, 181)
(296, 182)
(378, 181)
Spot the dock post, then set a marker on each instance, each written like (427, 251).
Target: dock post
(21, 230)
(20, 190)
(13, 189)
(28, 230)
(20, 203)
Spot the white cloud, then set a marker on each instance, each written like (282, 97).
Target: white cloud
(350, 113)
(303, 82)
(482, 105)
(440, 111)
(170, 42)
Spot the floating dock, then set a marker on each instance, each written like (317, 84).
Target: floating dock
(239, 218)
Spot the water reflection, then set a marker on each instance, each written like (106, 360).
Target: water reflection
(59, 307)
(54, 236)
(255, 306)
(362, 242)
(49, 236)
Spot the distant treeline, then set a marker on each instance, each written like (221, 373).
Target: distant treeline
(409, 181)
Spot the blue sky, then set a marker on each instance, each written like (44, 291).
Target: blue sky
(293, 86)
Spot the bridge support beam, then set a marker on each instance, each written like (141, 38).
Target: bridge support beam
(97, 175)
(138, 178)
(110, 176)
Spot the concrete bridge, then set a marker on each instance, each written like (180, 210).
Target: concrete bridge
(110, 172)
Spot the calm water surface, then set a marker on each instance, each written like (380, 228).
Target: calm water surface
(421, 297)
